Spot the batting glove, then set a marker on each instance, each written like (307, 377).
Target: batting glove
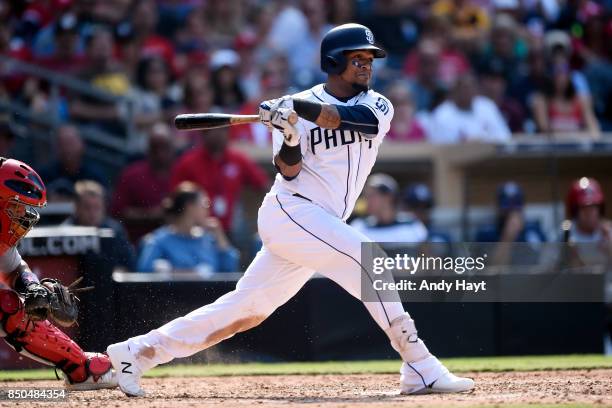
(279, 119)
(267, 107)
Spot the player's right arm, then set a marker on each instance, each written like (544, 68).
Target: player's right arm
(286, 145)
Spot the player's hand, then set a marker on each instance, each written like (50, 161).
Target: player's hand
(280, 120)
(267, 107)
(37, 302)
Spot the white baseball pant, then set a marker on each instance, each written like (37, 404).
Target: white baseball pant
(300, 238)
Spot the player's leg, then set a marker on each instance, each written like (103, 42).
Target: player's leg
(45, 343)
(267, 284)
(315, 232)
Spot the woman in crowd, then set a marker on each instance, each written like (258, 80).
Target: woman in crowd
(558, 108)
(191, 240)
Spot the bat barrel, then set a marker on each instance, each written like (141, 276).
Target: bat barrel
(192, 121)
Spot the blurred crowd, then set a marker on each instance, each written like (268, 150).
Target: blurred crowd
(457, 70)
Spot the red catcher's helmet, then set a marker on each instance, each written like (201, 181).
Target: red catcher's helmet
(584, 192)
(21, 189)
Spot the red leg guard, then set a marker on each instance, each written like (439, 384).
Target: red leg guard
(43, 342)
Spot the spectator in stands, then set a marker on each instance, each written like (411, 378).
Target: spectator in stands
(191, 240)
(419, 201)
(220, 171)
(105, 73)
(305, 59)
(127, 49)
(143, 185)
(493, 85)
(428, 89)
(69, 166)
(466, 116)
(384, 222)
(274, 84)
(586, 225)
(225, 81)
(436, 58)
(532, 80)
(224, 20)
(144, 19)
(405, 127)
(558, 50)
(395, 26)
(90, 211)
(198, 96)
(245, 44)
(470, 21)
(67, 58)
(506, 47)
(512, 227)
(560, 109)
(193, 35)
(155, 98)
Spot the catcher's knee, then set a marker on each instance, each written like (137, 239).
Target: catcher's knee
(405, 340)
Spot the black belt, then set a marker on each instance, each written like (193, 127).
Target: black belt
(301, 196)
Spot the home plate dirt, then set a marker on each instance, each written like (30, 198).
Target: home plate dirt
(593, 387)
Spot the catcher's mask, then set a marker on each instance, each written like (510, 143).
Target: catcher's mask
(21, 192)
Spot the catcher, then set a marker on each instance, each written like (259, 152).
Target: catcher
(26, 303)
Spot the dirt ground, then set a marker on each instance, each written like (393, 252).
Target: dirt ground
(593, 387)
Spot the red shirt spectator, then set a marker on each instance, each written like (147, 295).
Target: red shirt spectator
(140, 186)
(221, 171)
(143, 185)
(451, 66)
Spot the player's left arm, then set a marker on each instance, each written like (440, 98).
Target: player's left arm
(21, 277)
(369, 117)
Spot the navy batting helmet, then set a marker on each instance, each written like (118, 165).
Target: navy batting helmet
(346, 37)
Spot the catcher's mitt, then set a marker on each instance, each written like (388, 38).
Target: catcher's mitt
(36, 302)
(60, 301)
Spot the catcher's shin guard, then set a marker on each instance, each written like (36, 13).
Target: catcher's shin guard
(45, 343)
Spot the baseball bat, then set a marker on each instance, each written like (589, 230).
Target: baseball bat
(203, 121)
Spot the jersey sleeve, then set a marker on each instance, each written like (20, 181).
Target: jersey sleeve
(10, 260)
(382, 108)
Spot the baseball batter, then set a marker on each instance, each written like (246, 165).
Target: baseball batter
(323, 162)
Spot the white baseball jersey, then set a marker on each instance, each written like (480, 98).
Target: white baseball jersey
(336, 163)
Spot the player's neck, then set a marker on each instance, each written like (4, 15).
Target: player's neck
(339, 88)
